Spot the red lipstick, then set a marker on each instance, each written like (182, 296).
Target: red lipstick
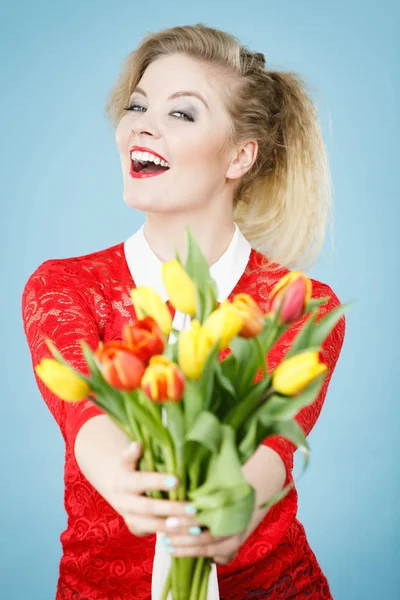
(144, 173)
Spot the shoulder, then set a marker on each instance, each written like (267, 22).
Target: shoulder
(269, 273)
(76, 271)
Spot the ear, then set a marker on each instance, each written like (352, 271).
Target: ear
(242, 160)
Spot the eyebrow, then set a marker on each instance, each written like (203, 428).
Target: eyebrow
(139, 90)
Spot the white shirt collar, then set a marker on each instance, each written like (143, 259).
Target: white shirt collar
(145, 266)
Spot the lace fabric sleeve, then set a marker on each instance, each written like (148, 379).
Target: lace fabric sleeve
(52, 308)
(307, 417)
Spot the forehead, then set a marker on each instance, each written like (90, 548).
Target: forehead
(175, 72)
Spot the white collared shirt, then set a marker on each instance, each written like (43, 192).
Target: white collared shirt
(145, 268)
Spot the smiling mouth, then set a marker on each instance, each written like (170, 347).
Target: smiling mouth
(138, 166)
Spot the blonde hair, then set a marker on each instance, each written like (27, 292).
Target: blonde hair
(283, 203)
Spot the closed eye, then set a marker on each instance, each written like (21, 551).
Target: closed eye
(184, 117)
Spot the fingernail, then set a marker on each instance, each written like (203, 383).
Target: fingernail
(190, 509)
(170, 549)
(195, 530)
(170, 481)
(166, 541)
(133, 446)
(172, 522)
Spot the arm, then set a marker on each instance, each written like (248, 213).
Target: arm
(52, 307)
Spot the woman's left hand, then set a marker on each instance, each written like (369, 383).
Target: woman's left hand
(221, 549)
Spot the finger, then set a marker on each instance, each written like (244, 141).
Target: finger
(193, 537)
(224, 559)
(139, 525)
(131, 455)
(141, 482)
(142, 505)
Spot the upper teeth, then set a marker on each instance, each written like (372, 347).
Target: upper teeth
(146, 157)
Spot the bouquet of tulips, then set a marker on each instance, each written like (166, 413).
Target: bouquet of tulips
(195, 415)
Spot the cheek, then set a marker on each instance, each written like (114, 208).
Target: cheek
(122, 134)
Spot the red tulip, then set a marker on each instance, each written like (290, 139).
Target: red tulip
(120, 366)
(295, 291)
(144, 338)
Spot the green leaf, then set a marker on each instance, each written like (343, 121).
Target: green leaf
(302, 339)
(196, 263)
(206, 380)
(137, 412)
(230, 519)
(316, 303)
(207, 431)
(292, 431)
(239, 414)
(286, 407)
(192, 402)
(225, 470)
(229, 366)
(326, 324)
(176, 424)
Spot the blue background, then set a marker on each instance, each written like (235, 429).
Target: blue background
(61, 196)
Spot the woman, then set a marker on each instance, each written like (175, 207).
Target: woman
(211, 139)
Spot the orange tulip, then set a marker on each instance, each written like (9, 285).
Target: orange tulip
(144, 338)
(253, 317)
(163, 380)
(295, 291)
(120, 366)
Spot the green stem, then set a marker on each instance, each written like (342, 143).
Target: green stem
(263, 358)
(204, 582)
(197, 578)
(167, 586)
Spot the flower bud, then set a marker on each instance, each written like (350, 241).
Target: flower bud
(146, 300)
(294, 374)
(163, 381)
(144, 338)
(194, 346)
(253, 317)
(295, 291)
(120, 367)
(180, 288)
(62, 381)
(225, 323)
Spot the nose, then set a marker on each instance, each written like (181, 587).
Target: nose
(145, 123)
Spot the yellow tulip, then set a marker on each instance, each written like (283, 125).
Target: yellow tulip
(194, 346)
(253, 317)
(226, 322)
(180, 288)
(296, 372)
(153, 305)
(61, 380)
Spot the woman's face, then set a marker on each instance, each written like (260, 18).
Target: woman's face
(184, 130)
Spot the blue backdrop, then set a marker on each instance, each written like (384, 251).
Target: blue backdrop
(61, 196)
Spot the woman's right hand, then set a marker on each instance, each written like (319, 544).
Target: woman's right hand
(143, 515)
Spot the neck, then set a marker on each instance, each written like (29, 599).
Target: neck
(165, 233)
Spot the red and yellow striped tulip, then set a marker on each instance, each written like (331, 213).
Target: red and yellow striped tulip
(163, 381)
(144, 338)
(120, 366)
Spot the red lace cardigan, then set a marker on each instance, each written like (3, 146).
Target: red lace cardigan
(87, 297)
